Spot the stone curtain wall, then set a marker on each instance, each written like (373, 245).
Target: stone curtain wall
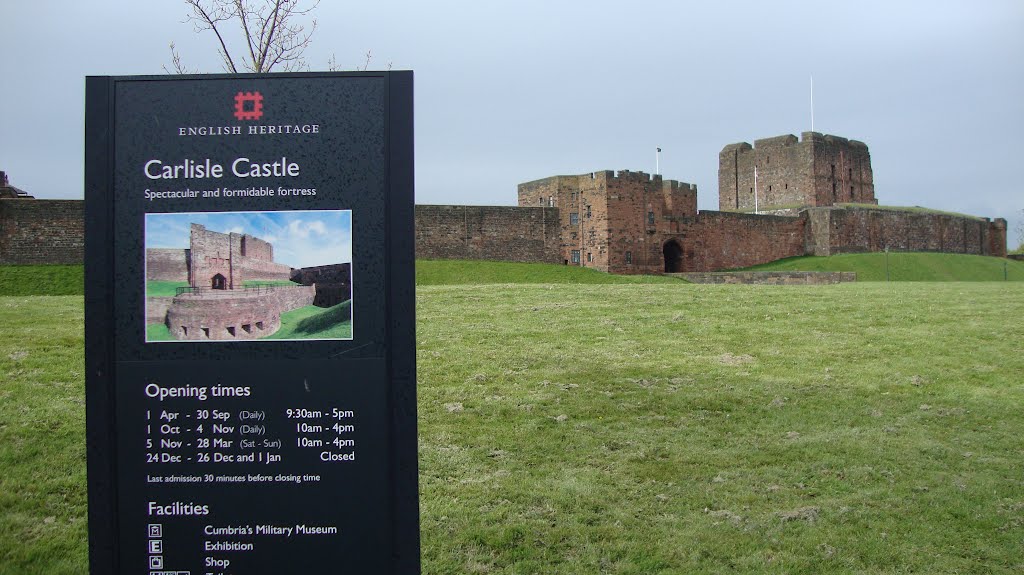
(853, 229)
(167, 264)
(41, 231)
(262, 270)
(723, 240)
(501, 233)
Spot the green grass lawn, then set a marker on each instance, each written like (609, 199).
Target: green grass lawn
(449, 272)
(638, 429)
(41, 280)
(163, 288)
(904, 266)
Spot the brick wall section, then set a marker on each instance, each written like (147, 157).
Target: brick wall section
(722, 240)
(769, 278)
(167, 264)
(41, 231)
(500, 233)
(253, 247)
(850, 230)
(816, 170)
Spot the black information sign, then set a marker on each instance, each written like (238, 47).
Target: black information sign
(250, 330)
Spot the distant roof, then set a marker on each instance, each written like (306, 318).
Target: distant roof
(10, 192)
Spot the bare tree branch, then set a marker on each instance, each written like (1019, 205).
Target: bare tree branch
(272, 30)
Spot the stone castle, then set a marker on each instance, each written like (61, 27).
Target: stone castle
(781, 197)
(218, 304)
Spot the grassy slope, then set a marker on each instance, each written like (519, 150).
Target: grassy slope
(449, 272)
(313, 322)
(907, 266)
(41, 280)
(870, 428)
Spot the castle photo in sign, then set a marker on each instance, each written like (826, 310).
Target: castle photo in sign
(227, 276)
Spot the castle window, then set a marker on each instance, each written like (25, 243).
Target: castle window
(629, 257)
(588, 211)
(650, 218)
(833, 171)
(769, 187)
(851, 173)
(787, 186)
(541, 200)
(575, 256)
(590, 257)
(551, 201)
(574, 219)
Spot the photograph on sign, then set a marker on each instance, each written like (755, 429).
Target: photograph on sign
(248, 276)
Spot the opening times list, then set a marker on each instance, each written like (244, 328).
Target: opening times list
(196, 445)
(221, 439)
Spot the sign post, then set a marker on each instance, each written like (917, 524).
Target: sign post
(250, 329)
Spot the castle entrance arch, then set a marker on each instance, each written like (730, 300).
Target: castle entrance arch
(219, 282)
(673, 253)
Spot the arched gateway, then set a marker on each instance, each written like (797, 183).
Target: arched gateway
(673, 252)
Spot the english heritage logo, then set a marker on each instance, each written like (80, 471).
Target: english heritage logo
(248, 106)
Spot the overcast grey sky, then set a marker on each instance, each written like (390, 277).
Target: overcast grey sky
(512, 91)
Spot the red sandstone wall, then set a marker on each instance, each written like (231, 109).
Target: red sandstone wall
(167, 264)
(259, 269)
(253, 247)
(722, 240)
(501, 233)
(845, 230)
(41, 231)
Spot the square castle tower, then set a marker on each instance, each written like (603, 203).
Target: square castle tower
(817, 170)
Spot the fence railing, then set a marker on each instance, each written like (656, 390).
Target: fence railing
(252, 289)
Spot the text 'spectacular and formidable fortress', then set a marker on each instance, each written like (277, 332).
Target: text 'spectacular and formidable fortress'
(229, 296)
(813, 196)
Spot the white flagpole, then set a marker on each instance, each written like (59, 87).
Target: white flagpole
(812, 102)
(657, 161)
(755, 189)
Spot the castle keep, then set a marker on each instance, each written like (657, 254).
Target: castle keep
(817, 170)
